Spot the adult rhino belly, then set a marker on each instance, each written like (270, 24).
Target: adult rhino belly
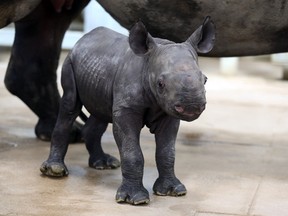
(14, 10)
(242, 27)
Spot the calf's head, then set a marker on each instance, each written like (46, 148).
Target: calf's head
(174, 75)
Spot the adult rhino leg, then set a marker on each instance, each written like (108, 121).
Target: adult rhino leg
(31, 73)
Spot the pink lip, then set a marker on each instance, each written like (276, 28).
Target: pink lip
(188, 114)
(182, 111)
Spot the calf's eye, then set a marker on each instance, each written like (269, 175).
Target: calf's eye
(161, 84)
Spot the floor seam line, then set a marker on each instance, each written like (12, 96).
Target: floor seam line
(254, 197)
(218, 213)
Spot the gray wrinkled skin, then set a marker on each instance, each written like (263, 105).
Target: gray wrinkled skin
(254, 27)
(131, 82)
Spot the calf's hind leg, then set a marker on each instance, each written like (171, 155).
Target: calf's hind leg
(92, 134)
(70, 107)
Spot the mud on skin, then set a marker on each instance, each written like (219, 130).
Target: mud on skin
(133, 82)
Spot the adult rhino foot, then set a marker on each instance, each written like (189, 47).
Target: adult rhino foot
(105, 162)
(132, 195)
(44, 129)
(54, 169)
(171, 187)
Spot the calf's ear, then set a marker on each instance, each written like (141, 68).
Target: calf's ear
(140, 41)
(203, 38)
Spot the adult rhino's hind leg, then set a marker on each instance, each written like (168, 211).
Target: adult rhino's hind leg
(70, 107)
(31, 73)
(92, 134)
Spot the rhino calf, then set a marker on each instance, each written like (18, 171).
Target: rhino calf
(131, 82)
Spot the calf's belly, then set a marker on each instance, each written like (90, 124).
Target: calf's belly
(99, 109)
(97, 103)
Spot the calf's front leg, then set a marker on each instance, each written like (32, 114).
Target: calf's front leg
(165, 135)
(126, 130)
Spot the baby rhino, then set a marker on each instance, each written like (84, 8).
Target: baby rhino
(131, 82)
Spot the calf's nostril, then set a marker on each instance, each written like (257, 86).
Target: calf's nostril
(179, 108)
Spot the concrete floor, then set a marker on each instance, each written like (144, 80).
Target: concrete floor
(233, 160)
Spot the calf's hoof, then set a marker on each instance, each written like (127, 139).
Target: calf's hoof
(105, 162)
(169, 187)
(54, 169)
(132, 195)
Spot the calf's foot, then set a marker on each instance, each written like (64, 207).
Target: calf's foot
(54, 169)
(135, 195)
(105, 162)
(171, 187)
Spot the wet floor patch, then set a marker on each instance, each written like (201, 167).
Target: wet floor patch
(5, 145)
